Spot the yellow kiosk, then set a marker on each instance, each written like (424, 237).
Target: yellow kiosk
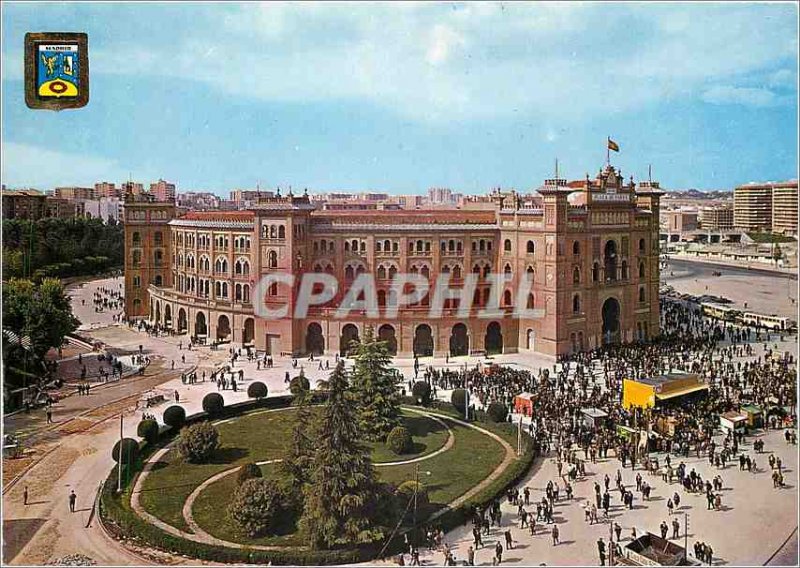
(649, 392)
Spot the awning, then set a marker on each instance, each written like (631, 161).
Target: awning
(681, 392)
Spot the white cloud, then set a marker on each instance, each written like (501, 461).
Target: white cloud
(25, 165)
(442, 43)
(728, 95)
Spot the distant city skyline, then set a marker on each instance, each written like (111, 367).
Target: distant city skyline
(399, 98)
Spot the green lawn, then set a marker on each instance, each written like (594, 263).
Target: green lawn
(254, 437)
(428, 434)
(250, 438)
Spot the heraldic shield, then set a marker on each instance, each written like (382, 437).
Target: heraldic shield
(56, 70)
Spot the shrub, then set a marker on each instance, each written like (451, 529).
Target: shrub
(130, 451)
(459, 400)
(175, 416)
(497, 412)
(399, 440)
(299, 385)
(257, 390)
(248, 471)
(422, 393)
(197, 442)
(148, 429)
(258, 505)
(213, 403)
(406, 490)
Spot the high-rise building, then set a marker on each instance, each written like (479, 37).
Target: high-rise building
(106, 189)
(132, 187)
(75, 192)
(24, 204)
(163, 190)
(784, 207)
(716, 218)
(752, 207)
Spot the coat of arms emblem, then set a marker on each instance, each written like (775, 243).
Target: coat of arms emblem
(56, 70)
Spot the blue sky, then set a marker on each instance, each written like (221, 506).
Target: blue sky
(402, 97)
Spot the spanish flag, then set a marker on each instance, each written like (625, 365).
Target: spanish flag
(613, 145)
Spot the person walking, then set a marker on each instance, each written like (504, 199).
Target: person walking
(601, 550)
(72, 499)
(470, 556)
(509, 539)
(49, 414)
(498, 554)
(676, 527)
(25, 496)
(554, 534)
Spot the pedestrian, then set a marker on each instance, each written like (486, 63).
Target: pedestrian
(670, 506)
(509, 539)
(49, 415)
(72, 499)
(25, 495)
(601, 550)
(470, 556)
(554, 534)
(498, 554)
(676, 527)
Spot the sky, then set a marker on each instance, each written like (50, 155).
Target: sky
(400, 97)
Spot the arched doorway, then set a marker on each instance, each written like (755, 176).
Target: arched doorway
(315, 342)
(158, 313)
(459, 340)
(386, 333)
(182, 324)
(423, 341)
(223, 328)
(493, 339)
(167, 316)
(349, 336)
(610, 321)
(531, 340)
(200, 327)
(610, 260)
(249, 331)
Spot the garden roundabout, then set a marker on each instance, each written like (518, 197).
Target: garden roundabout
(344, 474)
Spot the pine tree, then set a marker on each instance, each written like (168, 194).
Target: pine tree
(340, 500)
(296, 466)
(377, 397)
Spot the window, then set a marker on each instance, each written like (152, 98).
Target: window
(281, 232)
(624, 270)
(273, 259)
(531, 248)
(136, 257)
(381, 272)
(641, 270)
(595, 272)
(425, 271)
(457, 272)
(349, 273)
(641, 246)
(531, 301)
(507, 298)
(641, 295)
(136, 239)
(576, 248)
(137, 281)
(158, 280)
(273, 289)
(576, 304)
(158, 238)
(507, 245)
(507, 269)
(576, 275)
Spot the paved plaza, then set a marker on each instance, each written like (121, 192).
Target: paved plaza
(752, 526)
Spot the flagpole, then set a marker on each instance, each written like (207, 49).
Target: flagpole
(608, 150)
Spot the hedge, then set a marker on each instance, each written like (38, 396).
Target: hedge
(175, 417)
(421, 392)
(148, 430)
(213, 403)
(257, 390)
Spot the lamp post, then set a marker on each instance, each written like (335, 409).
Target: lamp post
(416, 491)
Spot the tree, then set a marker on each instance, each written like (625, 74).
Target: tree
(421, 392)
(376, 395)
(257, 390)
(459, 400)
(258, 506)
(296, 466)
(340, 499)
(248, 471)
(148, 429)
(213, 404)
(175, 416)
(130, 451)
(299, 385)
(399, 440)
(497, 411)
(197, 442)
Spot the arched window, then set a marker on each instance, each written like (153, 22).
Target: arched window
(237, 293)
(158, 257)
(316, 246)
(474, 246)
(507, 245)
(281, 232)
(158, 280)
(641, 295)
(425, 271)
(457, 272)
(576, 248)
(381, 272)
(381, 297)
(246, 293)
(158, 238)
(451, 245)
(531, 247)
(392, 271)
(624, 270)
(476, 269)
(386, 245)
(507, 269)
(136, 239)
(507, 298)
(576, 304)
(395, 247)
(576, 275)
(442, 246)
(530, 271)
(414, 269)
(237, 267)
(346, 246)
(531, 301)
(641, 246)
(273, 289)
(641, 270)
(349, 273)
(273, 231)
(445, 269)
(483, 245)
(272, 259)
(136, 257)
(595, 272)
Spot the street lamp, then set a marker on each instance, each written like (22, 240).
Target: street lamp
(416, 491)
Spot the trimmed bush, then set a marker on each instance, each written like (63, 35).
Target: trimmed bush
(405, 491)
(422, 393)
(497, 412)
(130, 451)
(399, 440)
(175, 416)
(248, 471)
(257, 390)
(197, 442)
(213, 403)
(299, 385)
(258, 506)
(459, 400)
(148, 429)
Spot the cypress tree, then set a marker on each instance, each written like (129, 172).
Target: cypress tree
(340, 498)
(376, 394)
